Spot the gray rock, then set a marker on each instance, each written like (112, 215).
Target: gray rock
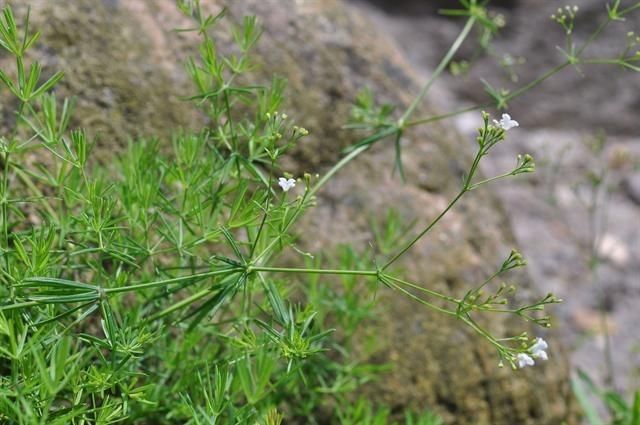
(632, 187)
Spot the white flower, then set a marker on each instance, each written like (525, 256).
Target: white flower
(524, 360)
(542, 355)
(286, 184)
(506, 123)
(538, 349)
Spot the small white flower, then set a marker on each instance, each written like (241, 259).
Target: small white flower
(524, 360)
(286, 184)
(538, 349)
(506, 123)
(542, 355)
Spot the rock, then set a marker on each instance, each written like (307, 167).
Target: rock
(631, 187)
(124, 64)
(530, 34)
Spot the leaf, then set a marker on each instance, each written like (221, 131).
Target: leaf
(109, 324)
(33, 282)
(585, 403)
(211, 306)
(635, 410)
(63, 299)
(398, 157)
(66, 313)
(232, 243)
(7, 81)
(277, 304)
(47, 85)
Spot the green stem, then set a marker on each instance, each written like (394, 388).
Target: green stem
(441, 67)
(187, 301)
(629, 9)
(423, 302)
(501, 348)
(337, 167)
(537, 81)
(593, 36)
(489, 180)
(18, 305)
(425, 290)
(256, 239)
(5, 183)
(509, 97)
(5, 206)
(29, 183)
(425, 231)
(447, 115)
(168, 281)
(466, 188)
(234, 138)
(313, 271)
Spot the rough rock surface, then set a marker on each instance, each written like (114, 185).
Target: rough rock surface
(124, 64)
(609, 96)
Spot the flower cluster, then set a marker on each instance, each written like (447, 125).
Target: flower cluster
(565, 17)
(537, 351)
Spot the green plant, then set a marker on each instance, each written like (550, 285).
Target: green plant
(362, 413)
(150, 292)
(620, 412)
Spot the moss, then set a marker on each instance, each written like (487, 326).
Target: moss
(120, 93)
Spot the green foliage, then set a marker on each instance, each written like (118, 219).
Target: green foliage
(362, 413)
(620, 411)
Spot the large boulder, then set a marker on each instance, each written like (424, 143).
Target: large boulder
(125, 65)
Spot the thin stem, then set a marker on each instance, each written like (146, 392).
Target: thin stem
(593, 36)
(501, 348)
(18, 305)
(614, 61)
(314, 271)
(234, 139)
(441, 67)
(425, 231)
(169, 281)
(537, 81)
(629, 9)
(489, 180)
(29, 183)
(266, 211)
(187, 301)
(509, 97)
(337, 167)
(425, 290)
(423, 302)
(5, 202)
(465, 188)
(5, 182)
(447, 115)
